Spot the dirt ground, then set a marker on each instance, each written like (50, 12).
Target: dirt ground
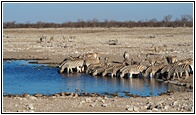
(60, 43)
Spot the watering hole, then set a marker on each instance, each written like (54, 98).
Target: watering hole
(20, 76)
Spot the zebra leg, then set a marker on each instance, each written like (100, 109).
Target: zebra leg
(61, 70)
(180, 76)
(122, 75)
(131, 75)
(67, 70)
(151, 74)
(82, 68)
(174, 75)
(79, 69)
(187, 75)
(71, 70)
(168, 76)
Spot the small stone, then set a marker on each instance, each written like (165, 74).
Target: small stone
(103, 101)
(149, 111)
(30, 106)
(104, 105)
(82, 102)
(187, 108)
(16, 105)
(75, 95)
(31, 111)
(99, 98)
(159, 102)
(71, 94)
(62, 94)
(155, 109)
(136, 108)
(130, 109)
(32, 98)
(166, 107)
(92, 105)
(145, 107)
(88, 100)
(105, 97)
(175, 103)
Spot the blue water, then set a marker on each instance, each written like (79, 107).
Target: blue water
(20, 77)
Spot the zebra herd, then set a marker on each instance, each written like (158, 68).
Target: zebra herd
(166, 68)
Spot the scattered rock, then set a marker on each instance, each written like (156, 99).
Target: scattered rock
(136, 108)
(62, 94)
(104, 105)
(82, 102)
(159, 102)
(33, 98)
(92, 105)
(155, 109)
(75, 95)
(88, 100)
(131, 109)
(103, 101)
(30, 106)
(31, 111)
(105, 97)
(175, 103)
(16, 105)
(99, 98)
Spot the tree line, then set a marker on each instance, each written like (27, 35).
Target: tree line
(184, 21)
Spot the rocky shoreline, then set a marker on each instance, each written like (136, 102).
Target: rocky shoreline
(169, 102)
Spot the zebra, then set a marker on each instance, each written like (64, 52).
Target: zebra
(98, 70)
(88, 62)
(132, 69)
(116, 69)
(95, 64)
(70, 64)
(169, 67)
(126, 55)
(152, 70)
(179, 69)
(171, 59)
(69, 58)
(109, 69)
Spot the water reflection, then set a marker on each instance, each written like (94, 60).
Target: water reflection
(21, 77)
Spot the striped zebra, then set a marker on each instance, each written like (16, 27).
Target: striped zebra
(69, 58)
(88, 62)
(132, 69)
(109, 69)
(153, 70)
(71, 64)
(116, 69)
(97, 64)
(171, 59)
(179, 69)
(171, 67)
(98, 70)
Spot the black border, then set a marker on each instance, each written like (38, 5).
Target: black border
(97, 2)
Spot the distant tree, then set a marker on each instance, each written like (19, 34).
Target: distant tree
(152, 22)
(167, 19)
(185, 19)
